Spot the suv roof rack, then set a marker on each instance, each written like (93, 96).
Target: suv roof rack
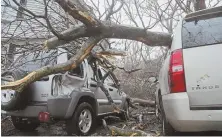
(217, 11)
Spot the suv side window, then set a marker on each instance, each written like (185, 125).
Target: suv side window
(78, 71)
(109, 81)
(100, 74)
(93, 75)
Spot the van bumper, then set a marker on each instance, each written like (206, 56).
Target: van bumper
(177, 110)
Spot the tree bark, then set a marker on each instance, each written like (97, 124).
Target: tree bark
(69, 34)
(77, 13)
(108, 30)
(142, 102)
(134, 33)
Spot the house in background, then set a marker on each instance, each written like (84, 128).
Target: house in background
(22, 34)
(20, 30)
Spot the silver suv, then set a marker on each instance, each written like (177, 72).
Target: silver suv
(72, 96)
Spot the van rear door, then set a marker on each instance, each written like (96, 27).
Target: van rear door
(202, 54)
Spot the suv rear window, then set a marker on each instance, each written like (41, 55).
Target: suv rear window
(202, 32)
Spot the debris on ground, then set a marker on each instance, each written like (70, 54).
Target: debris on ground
(150, 124)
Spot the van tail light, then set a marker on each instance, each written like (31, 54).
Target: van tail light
(176, 72)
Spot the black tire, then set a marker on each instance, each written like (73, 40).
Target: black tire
(24, 125)
(72, 125)
(167, 129)
(125, 115)
(19, 99)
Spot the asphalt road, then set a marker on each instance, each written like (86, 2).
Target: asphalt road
(152, 127)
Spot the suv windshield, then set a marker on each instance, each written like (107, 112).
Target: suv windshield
(202, 32)
(36, 60)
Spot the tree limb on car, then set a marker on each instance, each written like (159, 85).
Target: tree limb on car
(111, 68)
(95, 30)
(100, 83)
(85, 50)
(92, 27)
(142, 102)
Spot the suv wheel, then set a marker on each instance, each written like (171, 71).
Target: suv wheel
(83, 120)
(125, 115)
(167, 129)
(24, 125)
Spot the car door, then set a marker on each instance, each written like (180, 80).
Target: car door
(64, 84)
(112, 89)
(103, 103)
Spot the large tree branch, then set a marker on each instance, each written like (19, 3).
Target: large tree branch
(71, 64)
(110, 52)
(108, 30)
(94, 29)
(69, 34)
(76, 13)
(134, 33)
(143, 102)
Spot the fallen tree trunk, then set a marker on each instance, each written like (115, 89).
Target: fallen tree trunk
(141, 102)
(112, 30)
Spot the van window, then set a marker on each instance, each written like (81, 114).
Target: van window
(202, 32)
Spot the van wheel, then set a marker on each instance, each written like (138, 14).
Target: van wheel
(167, 129)
(11, 99)
(24, 125)
(125, 115)
(83, 120)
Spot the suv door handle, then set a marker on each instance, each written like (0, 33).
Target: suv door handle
(110, 89)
